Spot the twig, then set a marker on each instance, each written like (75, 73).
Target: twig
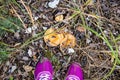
(18, 16)
(29, 11)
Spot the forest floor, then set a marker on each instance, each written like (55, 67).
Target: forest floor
(95, 25)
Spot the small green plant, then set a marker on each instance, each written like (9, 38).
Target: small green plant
(3, 53)
(11, 78)
(9, 24)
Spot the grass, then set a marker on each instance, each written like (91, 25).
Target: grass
(3, 52)
(109, 42)
(102, 36)
(8, 25)
(114, 53)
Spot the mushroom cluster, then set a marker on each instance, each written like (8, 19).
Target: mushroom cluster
(53, 37)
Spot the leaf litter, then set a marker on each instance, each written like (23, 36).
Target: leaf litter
(88, 49)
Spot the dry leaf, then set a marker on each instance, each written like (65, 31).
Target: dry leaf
(71, 50)
(27, 68)
(59, 17)
(28, 30)
(13, 69)
(53, 3)
(81, 29)
(89, 2)
(30, 52)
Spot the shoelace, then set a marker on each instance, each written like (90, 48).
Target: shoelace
(45, 75)
(72, 77)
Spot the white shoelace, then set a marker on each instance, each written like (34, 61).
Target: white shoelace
(72, 77)
(44, 75)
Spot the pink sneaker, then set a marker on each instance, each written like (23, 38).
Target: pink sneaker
(43, 70)
(75, 72)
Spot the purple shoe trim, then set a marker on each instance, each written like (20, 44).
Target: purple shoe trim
(75, 72)
(72, 77)
(43, 68)
(44, 75)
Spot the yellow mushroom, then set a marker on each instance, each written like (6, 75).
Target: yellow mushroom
(52, 38)
(69, 40)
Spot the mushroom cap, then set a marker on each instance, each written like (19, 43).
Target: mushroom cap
(52, 38)
(69, 40)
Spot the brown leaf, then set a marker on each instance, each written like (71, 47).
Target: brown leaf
(81, 29)
(27, 68)
(59, 18)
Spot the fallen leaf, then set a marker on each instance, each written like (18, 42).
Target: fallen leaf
(30, 52)
(25, 58)
(13, 69)
(71, 50)
(17, 35)
(59, 17)
(81, 29)
(53, 4)
(89, 2)
(7, 63)
(34, 58)
(27, 68)
(28, 30)
(44, 28)
(88, 41)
